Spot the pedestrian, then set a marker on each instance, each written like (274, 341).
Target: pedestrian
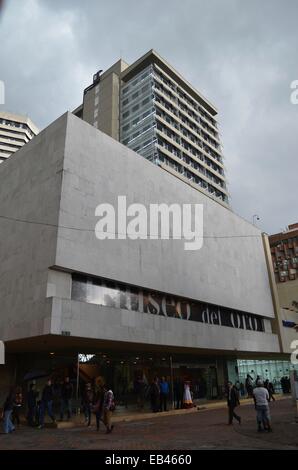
(233, 402)
(32, 405)
(270, 388)
(8, 426)
(258, 379)
(178, 393)
(237, 385)
(155, 395)
(17, 404)
(249, 385)
(140, 387)
(164, 393)
(108, 408)
(66, 396)
(87, 402)
(187, 399)
(287, 385)
(46, 403)
(97, 405)
(261, 399)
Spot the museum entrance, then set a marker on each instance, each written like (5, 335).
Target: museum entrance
(123, 371)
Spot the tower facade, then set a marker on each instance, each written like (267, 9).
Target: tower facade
(149, 107)
(15, 131)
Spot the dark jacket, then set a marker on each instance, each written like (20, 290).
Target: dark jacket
(178, 388)
(8, 405)
(31, 398)
(154, 391)
(66, 391)
(47, 393)
(88, 397)
(233, 397)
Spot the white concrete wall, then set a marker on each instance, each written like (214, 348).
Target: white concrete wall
(112, 324)
(30, 186)
(230, 272)
(73, 166)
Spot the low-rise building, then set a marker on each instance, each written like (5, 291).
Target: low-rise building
(130, 306)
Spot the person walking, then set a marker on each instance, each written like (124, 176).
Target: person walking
(164, 393)
(108, 408)
(66, 396)
(270, 388)
(46, 403)
(8, 426)
(261, 399)
(32, 405)
(87, 402)
(233, 402)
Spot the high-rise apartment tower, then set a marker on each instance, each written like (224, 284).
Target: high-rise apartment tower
(15, 131)
(149, 107)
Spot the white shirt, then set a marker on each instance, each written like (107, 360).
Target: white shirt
(261, 395)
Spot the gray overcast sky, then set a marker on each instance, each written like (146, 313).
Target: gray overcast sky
(241, 55)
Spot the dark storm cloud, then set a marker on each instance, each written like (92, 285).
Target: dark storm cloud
(240, 55)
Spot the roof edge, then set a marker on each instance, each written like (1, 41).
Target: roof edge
(153, 56)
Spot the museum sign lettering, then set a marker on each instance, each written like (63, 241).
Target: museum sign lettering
(112, 294)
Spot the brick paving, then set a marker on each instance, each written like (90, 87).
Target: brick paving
(205, 429)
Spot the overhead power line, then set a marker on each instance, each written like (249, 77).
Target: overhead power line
(79, 229)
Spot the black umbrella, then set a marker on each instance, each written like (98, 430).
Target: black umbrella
(35, 374)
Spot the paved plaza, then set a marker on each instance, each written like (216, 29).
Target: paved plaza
(204, 429)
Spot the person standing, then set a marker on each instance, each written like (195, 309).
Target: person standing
(31, 403)
(249, 385)
(8, 426)
(233, 402)
(261, 399)
(108, 408)
(46, 403)
(164, 393)
(97, 406)
(178, 393)
(17, 404)
(258, 379)
(139, 387)
(155, 395)
(187, 399)
(87, 402)
(66, 396)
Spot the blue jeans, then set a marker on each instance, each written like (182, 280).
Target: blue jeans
(65, 405)
(46, 406)
(263, 415)
(7, 423)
